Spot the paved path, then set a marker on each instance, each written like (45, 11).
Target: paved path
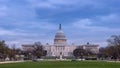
(10, 62)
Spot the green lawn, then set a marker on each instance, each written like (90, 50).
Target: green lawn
(62, 64)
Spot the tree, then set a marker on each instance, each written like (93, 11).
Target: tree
(104, 52)
(79, 53)
(114, 40)
(2, 46)
(12, 52)
(4, 50)
(44, 53)
(114, 46)
(39, 50)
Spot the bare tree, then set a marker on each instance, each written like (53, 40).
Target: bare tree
(79, 53)
(39, 50)
(114, 46)
(4, 50)
(114, 40)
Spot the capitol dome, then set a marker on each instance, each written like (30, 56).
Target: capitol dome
(60, 37)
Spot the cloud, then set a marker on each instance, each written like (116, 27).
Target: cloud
(3, 10)
(95, 30)
(91, 23)
(82, 23)
(59, 4)
(40, 4)
(34, 31)
(42, 25)
(112, 18)
(24, 21)
(9, 32)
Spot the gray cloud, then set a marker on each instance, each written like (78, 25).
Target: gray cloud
(83, 20)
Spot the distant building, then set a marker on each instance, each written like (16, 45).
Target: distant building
(60, 46)
(91, 47)
(28, 47)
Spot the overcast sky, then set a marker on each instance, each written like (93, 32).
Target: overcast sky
(28, 21)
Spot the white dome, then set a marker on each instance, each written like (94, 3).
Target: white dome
(60, 37)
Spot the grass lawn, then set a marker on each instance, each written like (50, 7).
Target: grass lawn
(62, 64)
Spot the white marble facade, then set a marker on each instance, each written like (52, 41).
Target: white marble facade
(66, 50)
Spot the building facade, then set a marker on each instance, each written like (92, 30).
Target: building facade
(60, 46)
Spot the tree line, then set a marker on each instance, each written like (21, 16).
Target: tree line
(110, 52)
(11, 53)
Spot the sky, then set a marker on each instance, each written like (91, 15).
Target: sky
(29, 21)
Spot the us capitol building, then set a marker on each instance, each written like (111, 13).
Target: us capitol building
(60, 46)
